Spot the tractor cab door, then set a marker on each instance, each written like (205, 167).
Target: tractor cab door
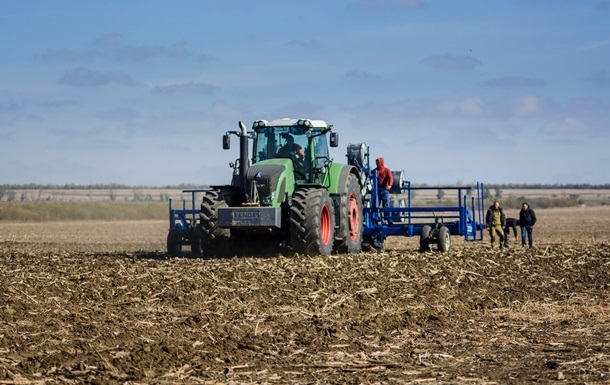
(265, 146)
(321, 158)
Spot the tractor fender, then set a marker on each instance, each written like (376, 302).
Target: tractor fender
(338, 178)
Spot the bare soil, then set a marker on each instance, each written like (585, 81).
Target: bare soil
(100, 302)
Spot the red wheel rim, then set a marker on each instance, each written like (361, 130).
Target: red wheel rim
(325, 229)
(353, 215)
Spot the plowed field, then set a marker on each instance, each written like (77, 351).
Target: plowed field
(100, 302)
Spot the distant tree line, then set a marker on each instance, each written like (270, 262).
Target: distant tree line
(105, 186)
(184, 186)
(33, 192)
(527, 186)
(539, 186)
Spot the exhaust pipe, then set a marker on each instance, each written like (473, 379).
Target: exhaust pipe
(243, 155)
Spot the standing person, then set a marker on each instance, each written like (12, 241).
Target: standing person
(527, 220)
(495, 222)
(384, 182)
(510, 223)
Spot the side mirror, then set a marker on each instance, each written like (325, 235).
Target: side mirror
(334, 139)
(226, 142)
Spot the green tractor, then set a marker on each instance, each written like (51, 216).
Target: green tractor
(289, 190)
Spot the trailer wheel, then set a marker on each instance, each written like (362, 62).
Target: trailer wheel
(350, 224)
(444, 239)
(174, 242)
(196, 241)
(424, 241)
(312, 222)
(376, 242)
(216, 241)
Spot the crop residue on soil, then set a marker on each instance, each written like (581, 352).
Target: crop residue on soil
(471, 315)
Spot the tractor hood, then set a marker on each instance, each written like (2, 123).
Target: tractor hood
(267, 181)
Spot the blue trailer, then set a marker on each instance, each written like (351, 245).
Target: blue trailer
(433, 224)
(183, 225)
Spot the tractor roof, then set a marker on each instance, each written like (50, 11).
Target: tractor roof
(292, 122)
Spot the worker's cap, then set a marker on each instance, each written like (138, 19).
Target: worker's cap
(286, 135)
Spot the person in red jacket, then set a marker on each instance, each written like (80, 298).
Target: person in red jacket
(384, 182)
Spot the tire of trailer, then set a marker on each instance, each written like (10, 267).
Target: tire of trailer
(350, 218)
(196, 242)
(444, 239)
(424, 242)
(376, 242)
(312, 222)
(215, 241)
(174, 242)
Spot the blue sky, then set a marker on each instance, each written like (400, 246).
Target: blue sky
(140, 92)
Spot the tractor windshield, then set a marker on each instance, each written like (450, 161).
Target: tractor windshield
(284, 142)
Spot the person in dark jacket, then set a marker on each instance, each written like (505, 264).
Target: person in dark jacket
(527, 220)
(291, 149)
(384, 182)
(294, 151)
(510, 223)
(495, 220)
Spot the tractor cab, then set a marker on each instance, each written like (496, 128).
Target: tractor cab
(284, 142)
(302, 141)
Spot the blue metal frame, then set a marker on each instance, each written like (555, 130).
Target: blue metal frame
(463, 220)
(185, 218)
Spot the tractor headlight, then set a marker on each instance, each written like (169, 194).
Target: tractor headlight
(269, 199)
(304, 122)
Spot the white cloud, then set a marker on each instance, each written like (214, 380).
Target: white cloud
(468, 107)
(82, 77)
(472, 107)
(600, 77)
(196, 88)
(360, 74)
(595, 44)
(59, 103)
(111, 45)
(515, 81)
(451, 62)
(566, 126)
(529, 106)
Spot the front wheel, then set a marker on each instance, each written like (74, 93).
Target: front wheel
(196, 241)
(444, 239)
(312, 222)
(216, 241)
(424, 241)
(174, 242)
